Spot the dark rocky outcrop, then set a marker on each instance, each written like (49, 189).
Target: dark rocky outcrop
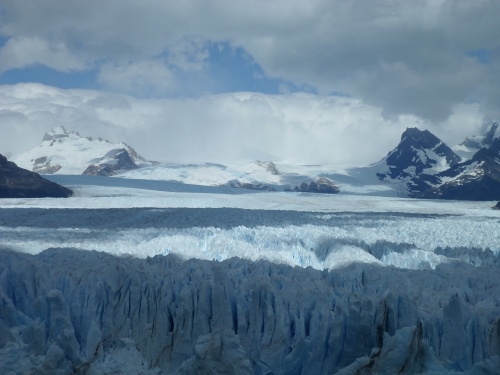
(16, 182)
(250, 185)
(321, 185)
(115, 161)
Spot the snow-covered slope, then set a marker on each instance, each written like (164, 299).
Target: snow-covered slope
(257, 175)
(66, 152)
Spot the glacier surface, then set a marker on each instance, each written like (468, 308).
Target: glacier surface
(135, 280)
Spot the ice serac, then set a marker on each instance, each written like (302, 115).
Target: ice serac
(16, 182)
(67, 152)
(68, 311)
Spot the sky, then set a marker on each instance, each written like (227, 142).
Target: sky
(317, 81)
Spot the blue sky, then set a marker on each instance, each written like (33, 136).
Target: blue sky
(227, 69)
(417, 63)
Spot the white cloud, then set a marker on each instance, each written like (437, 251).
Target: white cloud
(141, 78)
(21, 52)
(407, 57)
(301, 128)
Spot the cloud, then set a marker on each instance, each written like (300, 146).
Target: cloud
(21, 52)
(406, 57)
(297, 127)
(142, 78)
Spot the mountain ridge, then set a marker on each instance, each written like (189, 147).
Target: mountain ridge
(67, 152)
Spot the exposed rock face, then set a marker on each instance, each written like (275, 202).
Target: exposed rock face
(321, 185)
(113, 162)
(251, 186)
(269, 166)
(16, 182)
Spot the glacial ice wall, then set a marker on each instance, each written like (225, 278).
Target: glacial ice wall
(66, 311)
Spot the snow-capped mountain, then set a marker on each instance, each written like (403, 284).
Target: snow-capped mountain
(419, 151)
(16, 182)
(416, 159)
(67, 152)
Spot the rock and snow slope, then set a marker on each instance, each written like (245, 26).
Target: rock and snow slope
(477, 178)
(419, 151)
(425, 167)
(66, 152)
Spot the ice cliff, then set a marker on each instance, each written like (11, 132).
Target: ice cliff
(66, 311)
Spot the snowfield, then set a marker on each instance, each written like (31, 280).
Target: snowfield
(157, 277)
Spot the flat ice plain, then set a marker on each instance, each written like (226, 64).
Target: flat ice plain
(246, 282)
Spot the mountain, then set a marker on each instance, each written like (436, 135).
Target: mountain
(475, 179)
(419, 151)
(427, 168)
(67, 152)
(472, 144)
(16, 182)
(416, 159)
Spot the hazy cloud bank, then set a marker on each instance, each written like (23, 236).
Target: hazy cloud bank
(301, 128)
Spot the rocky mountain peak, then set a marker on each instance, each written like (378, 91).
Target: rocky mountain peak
(420, 138)
(418, 151)
(491, 134)
(476, 142)
(55, 133)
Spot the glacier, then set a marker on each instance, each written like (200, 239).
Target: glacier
(73, 311)
(121, 280)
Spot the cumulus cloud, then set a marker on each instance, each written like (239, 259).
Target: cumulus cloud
(406, 57)
(298, 127)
